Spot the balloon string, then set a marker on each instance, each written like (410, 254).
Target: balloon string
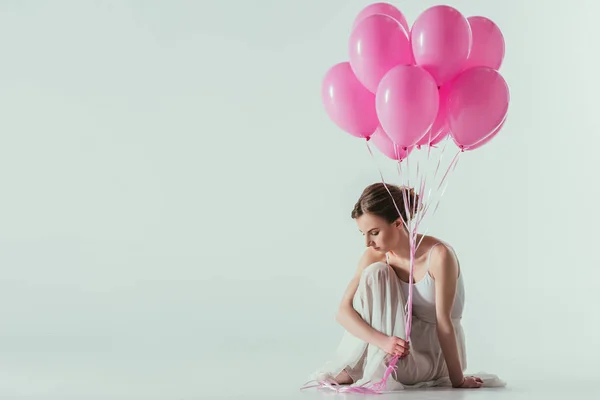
(407, 225)
(425, 189)
(423, 209)
(424, 182)
(444, 181)
(384, 184)
(411, 242)
(441, 157)
(449, 168)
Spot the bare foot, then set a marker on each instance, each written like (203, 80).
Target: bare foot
(343, 378)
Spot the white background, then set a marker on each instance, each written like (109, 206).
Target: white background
(176, 203)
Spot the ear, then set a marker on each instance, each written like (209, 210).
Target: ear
(398, 223)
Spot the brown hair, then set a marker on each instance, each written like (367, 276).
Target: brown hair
(376, 200)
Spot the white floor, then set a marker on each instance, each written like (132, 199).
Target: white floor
(517, 391)
(190, 383)
(221, 375)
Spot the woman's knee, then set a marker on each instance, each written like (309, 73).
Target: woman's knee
(377, 271)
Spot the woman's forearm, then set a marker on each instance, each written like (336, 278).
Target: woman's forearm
(447, 338)
(353, 323)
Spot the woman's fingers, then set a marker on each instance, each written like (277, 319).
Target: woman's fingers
(401, 351)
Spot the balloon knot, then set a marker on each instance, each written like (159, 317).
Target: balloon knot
(368, 138)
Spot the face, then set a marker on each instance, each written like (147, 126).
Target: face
(379, 234)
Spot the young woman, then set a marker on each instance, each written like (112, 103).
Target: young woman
(372, 309)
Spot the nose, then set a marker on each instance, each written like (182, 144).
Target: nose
(368, 241)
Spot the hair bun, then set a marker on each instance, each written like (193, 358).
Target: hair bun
(376, 200)
(409, 195)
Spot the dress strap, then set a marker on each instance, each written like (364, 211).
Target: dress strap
(449, 248)
(429, 254)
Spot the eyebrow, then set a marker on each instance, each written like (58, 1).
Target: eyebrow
(372, 229)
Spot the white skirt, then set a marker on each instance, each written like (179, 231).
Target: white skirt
(379, 300)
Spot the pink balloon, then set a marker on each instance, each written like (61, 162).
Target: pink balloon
(487, 139)
(347, 102)
(377, 44)
(435, 139)
(487, 49)
(407, 102)
(382, 8)
(385, 145)
(443, 135)
(441, 40)
(439, 126)
(477, 104)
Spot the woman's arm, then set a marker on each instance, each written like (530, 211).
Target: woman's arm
(445, 271)
(347, 315)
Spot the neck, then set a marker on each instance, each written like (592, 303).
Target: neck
(402, 248)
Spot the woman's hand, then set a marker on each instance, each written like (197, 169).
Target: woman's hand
(394, 346)
(470, 382)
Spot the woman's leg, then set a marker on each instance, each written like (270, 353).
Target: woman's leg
(343, 378)
(379, 301)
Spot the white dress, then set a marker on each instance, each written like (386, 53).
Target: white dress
(380, 300)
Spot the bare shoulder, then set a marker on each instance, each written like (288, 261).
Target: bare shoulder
(443, 261)
(369, 257)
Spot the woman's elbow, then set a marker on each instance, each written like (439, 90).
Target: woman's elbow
(337, 317)
(341, 314)
(444, 324)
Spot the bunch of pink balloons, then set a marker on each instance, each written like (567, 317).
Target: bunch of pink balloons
(411, 87)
